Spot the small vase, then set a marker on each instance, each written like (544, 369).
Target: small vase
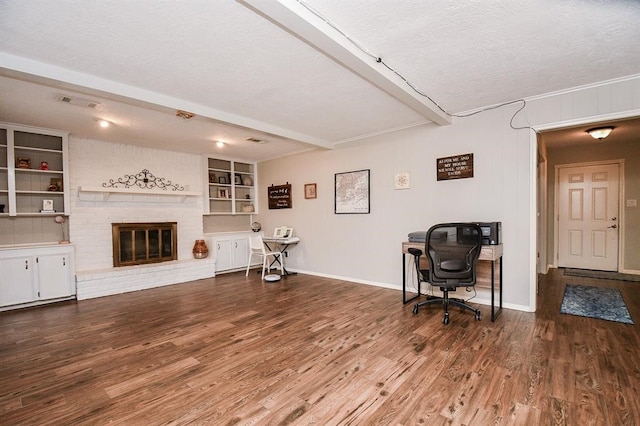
(200, 250)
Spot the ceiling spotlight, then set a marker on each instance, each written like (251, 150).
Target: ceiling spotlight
(219, 144)
(103, 123)
(600, 132)
(185, 115)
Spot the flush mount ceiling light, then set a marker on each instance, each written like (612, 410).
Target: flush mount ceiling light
(104, 123)
(219, 144)
(600, 132)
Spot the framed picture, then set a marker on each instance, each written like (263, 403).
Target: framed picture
(23, 163)
(222, 180)
(402, 180)
(352, 192)
(55, 185)
(212, 178)
(237, 179)
(310, 190)
(47, 205)
(223, 193)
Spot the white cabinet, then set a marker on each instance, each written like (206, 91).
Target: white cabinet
(230, 187)
(231, 251)
(55, 276)
(35, 275)
(17, 280)
(33, 171)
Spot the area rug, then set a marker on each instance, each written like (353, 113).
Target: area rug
(595, 302)
(588, 273)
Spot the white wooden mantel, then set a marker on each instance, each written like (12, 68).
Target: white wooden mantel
(91, 193)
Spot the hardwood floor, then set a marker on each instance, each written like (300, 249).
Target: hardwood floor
(308, 350)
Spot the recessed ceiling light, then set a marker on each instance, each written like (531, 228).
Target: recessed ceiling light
(103, 123)
(219, 144)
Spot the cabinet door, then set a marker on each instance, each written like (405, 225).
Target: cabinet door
(240, 252)
(223, 255)
(17, 280)
(54, 276)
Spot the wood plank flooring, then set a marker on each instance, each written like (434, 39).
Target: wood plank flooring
(233, 351)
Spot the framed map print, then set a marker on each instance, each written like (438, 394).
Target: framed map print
(352, 192)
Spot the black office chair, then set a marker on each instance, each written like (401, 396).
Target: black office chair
(453, 250)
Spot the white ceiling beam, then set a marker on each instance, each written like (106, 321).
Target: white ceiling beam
(296, 19)
(16, 64)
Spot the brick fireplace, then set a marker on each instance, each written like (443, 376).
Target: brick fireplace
(91, 231)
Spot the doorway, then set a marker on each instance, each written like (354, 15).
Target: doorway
(587, 206)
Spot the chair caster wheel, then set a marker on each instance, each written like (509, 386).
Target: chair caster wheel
(478, 316)
(445, 320)
(415, 309)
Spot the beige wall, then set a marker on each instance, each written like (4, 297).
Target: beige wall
(367, 247)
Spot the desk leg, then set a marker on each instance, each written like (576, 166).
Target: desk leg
(276, 259)
(404, 283)
(494, 313)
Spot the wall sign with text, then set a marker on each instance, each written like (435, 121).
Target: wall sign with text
(279, 196)
(455, 167)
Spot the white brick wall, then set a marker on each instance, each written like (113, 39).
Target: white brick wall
(91, 164)
(106, 282)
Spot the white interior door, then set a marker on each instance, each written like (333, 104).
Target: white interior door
(588, 200)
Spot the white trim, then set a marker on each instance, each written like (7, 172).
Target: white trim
(478, 300)
(588, 120)
(533, 221)
(584, 87)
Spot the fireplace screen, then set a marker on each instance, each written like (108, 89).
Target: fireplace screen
(140, 243)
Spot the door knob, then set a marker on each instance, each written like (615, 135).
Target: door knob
(614, 226)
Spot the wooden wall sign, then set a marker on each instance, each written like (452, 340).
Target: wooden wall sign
(455, 167)
(279, 196)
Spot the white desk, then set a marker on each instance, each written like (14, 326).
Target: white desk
(283, 245)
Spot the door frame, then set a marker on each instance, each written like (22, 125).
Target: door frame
(621, 197)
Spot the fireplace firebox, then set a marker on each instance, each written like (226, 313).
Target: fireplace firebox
(142, 243)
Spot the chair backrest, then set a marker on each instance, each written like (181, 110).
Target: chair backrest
(453, 250)
(255, 244)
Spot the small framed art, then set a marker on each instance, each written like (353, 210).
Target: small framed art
(47, 206)
(310, 190)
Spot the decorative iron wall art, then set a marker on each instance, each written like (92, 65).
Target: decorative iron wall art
(145, 180)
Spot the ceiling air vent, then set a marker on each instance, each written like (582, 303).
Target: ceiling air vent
(256, 140)
(84, 103)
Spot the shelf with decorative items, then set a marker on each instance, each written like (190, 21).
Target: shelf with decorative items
(230, 188)
(33, 169)
(142, 186)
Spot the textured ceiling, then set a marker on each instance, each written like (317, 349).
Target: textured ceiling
(229, 64)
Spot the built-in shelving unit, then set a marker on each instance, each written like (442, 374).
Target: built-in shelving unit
(33, 171)
(230, 187)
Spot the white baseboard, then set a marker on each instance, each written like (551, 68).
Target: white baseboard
(483, 298)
